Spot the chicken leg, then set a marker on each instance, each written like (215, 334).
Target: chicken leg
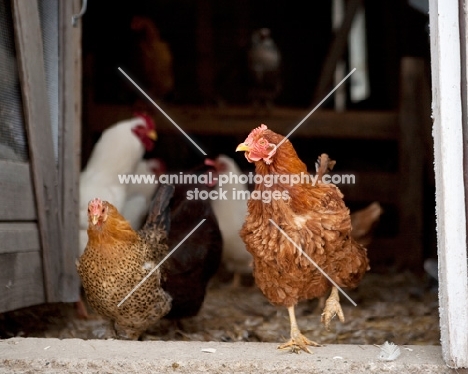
(332, 308)
(236, 281)
(298, 341)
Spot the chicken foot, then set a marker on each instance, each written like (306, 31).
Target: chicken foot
(332, 308)
(298, 341)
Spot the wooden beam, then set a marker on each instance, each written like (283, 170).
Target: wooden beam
(450, 190)
(21, 279)
(17, 202)
(19, 237)
(240, 121)
(69, 145)
(29, 47)
(411, 159)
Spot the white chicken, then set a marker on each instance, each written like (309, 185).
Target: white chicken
(139, 195)
(118, 151)
(231, 216)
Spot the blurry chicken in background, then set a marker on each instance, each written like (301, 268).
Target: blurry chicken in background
(264, 62)
(152, 58)
(364, 221)
(118, 151)
(139, 195)
(231, 216)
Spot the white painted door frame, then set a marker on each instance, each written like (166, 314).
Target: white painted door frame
(448, 61)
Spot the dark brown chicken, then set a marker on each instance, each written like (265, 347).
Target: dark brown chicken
(192, 265)
(117, 259)
(314, 218)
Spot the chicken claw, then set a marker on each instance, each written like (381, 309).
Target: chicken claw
(332, 308)
(298, 342)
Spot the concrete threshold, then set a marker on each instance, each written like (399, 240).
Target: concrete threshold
(31, 355)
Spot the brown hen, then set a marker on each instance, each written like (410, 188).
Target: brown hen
(117, 259)
(152, 57)
(314, 218)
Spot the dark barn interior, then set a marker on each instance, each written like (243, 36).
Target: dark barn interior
(209, 42)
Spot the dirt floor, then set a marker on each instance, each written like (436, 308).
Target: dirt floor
(399, 308)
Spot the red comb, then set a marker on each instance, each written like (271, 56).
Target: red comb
(255, 133)
(95, 201)
(150, 125)
(95, 206)
(209, 162)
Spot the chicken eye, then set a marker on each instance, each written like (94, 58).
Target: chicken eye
(103, 210)
(262, 143)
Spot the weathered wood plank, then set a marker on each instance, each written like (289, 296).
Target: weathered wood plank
(17, 198)
(29, 48)
(19, 237)
(70, 145)
(241, 120)
(21, 280)
(411, 160)
(450, 190)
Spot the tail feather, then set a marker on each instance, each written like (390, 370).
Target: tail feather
(159, 214)
(323, 165)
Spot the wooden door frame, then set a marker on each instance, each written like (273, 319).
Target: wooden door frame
(55, 182)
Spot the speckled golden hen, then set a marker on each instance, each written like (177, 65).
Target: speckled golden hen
(314, 217)
(117, 259)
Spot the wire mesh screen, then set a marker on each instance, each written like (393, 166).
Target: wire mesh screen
(13, 144)
(48, 12)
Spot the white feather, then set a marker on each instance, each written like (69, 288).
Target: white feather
(135, 210)
(144, 167)
(231, 216)
(389, 351)
(139, 196)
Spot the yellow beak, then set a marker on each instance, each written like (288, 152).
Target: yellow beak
(153, 135)
(242, 147)
(94, 219)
